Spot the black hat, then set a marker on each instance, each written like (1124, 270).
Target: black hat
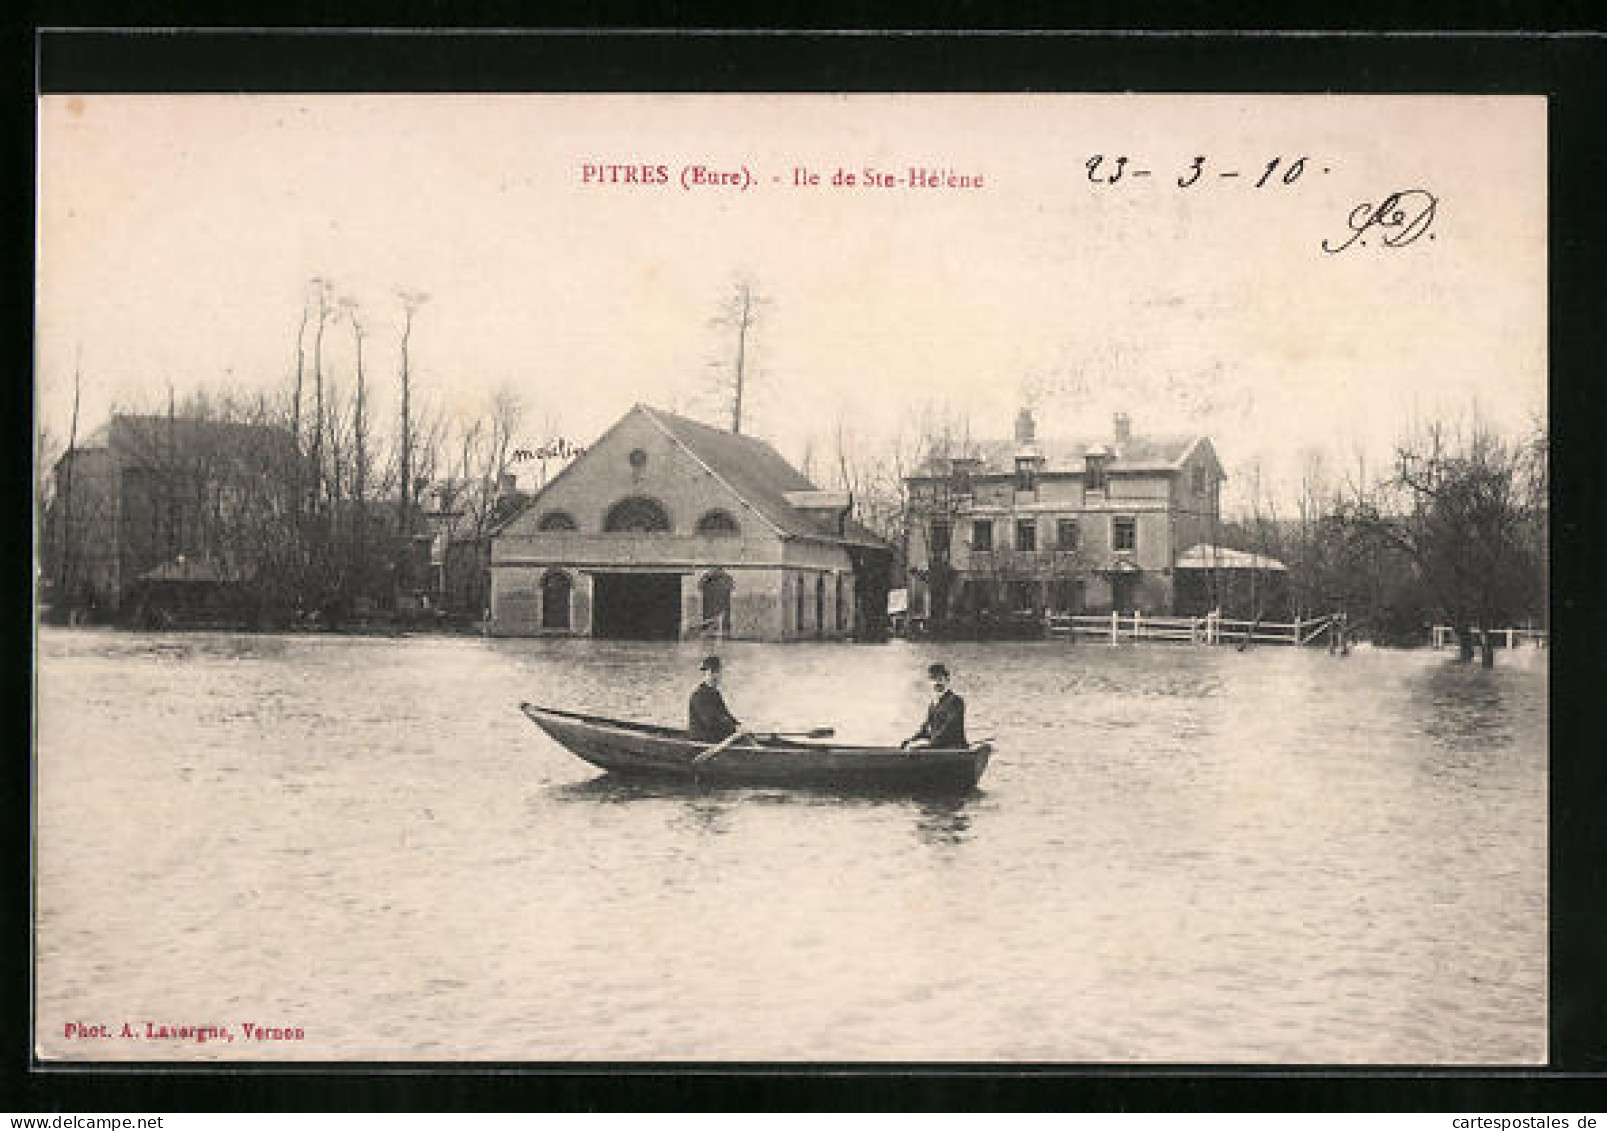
(937, 671)
(709, 664)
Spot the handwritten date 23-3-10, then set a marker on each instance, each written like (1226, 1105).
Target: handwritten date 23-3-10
(1279, 170)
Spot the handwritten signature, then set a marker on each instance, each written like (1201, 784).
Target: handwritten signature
(1399, 219)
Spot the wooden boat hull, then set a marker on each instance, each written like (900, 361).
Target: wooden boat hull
(641, 750)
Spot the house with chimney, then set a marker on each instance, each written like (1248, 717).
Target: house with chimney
(667, 528)
(1089, 524)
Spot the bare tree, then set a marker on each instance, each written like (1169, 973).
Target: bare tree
(321, 295)
(739, 314)
(940, 488)
(69, 539)
(360, 470)
(1463, 516)
(46, 451)
(407, 440)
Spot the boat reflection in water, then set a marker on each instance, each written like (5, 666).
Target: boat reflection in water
(942, 819)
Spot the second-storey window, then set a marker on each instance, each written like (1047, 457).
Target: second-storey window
(982, 534)
(1124, 534)
(941, 538)
(1026, 534)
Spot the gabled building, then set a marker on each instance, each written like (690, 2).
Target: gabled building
(1077, 525)
(668, 528)
(164, 501)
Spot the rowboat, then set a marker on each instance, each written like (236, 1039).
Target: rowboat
(644, 750)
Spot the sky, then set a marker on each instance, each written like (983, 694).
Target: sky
(178, 235)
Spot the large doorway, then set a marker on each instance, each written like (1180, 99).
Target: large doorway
(636, 606)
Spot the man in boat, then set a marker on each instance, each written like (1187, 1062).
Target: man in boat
(944, 728)
(708, 720)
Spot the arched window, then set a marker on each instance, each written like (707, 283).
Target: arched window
(555, 588)
(556, 520)
(637, 514)
(717, 524)
(716, 590)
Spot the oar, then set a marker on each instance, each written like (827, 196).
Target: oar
(719, 747)
(724, 744)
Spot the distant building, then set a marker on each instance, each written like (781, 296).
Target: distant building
(458, 522)
(1081, 525)
(163, 505)
(669, 528)
(1233, 582)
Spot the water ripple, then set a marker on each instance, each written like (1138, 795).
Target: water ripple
(1178, 854)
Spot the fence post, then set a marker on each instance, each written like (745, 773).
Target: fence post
(1138, 625)
(1113, 615)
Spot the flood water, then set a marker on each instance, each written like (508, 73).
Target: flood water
(1177, 855)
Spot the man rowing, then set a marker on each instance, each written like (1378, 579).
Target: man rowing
(944, 728)
(708, 719)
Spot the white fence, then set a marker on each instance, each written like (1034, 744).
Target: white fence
(1444, 636)
(1212, 628)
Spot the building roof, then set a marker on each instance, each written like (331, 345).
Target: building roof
(1066, 455)
(152, 439)
(1206, 556)
(758, 473)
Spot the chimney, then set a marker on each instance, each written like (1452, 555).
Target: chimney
(1124, 428)
(1024, 427)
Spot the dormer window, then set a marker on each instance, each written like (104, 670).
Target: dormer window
(1094, 461)
(1026, 473)
(960, 472)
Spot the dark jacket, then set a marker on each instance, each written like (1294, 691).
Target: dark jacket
(945, 723)
(707, 718)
